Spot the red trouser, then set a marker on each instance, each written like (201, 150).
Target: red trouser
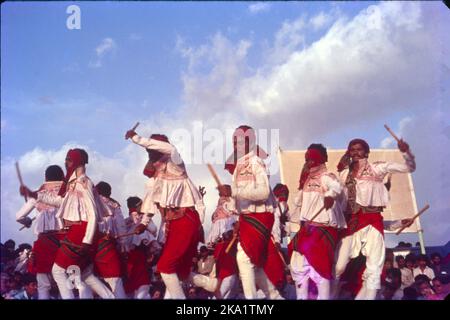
(182, 238)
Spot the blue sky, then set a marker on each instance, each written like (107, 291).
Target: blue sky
(46, 69)
(317, 71)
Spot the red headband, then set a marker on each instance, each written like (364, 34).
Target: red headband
(78, 158)
(315, 156)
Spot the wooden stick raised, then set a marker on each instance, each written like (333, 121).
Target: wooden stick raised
(20, 179)
(392, 133)
(135, 127)
(216, 178)
(214, 174)
(414, 218)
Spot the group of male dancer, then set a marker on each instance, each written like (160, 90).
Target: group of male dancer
(83, 236)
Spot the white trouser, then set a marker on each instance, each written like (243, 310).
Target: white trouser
(87, 278)
(205, 282)
(173, 286)
(252, 276)
(43, 286)
(116, 285)
(62, 280)
(301, 272)
(142, 292)
(228, 288)
(370, 242)
(85, 292)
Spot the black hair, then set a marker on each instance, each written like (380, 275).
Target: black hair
(28, 278)
(10, 242)
(409, 293)
(422, 257)
(132, 202)
(54, 173)
(435, 254)
(421, 278)
(103, 188)
(410, 257)
(84, 155)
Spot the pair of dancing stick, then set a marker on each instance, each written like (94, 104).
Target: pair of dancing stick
(426, 207)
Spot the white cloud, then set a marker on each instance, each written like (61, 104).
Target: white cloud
(259, 7)
(320, 20)
(106, 47)
(361, 67)
(287, 41)
(216, 89)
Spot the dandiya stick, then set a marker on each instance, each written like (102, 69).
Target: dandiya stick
(414, 218)
(135, 126)
(392, 133)
(19, 176)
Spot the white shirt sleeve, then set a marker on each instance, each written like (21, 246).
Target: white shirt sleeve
(146, 219)
(392, 225)
(257, 189)
(119, 223)
(298, 202)
(276, 229)
(26, 209)
(50, 199)
(333, 186)
(394, 167)
(86, 189)
(151, 227)
(153, 144)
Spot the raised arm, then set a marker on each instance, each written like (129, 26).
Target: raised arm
(392, 167)
(153, 144)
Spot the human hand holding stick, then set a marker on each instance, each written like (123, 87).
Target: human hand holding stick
(25, 226)
(413, 218)
(402, 145)
(130, 133)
